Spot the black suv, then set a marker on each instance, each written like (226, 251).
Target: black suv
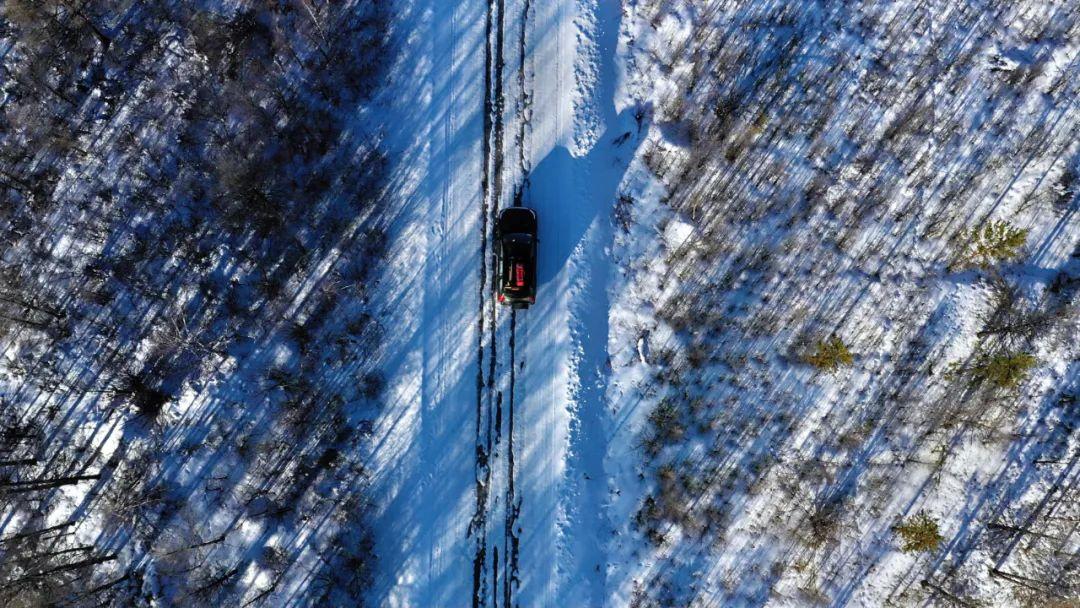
(515, 247)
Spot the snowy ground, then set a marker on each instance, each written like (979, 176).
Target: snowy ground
(250, 370)
(811, 172)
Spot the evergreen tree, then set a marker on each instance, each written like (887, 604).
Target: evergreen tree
(830, 355)
(994, 241)
(919, 533)
(1003, 370)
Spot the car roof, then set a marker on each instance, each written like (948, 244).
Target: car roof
(518, 246)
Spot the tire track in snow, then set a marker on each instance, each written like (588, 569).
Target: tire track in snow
(525, 104)
(512, 536)
(488, 400)
(494, 395)
(501, 503)
(478, 525)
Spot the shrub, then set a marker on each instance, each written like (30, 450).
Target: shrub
(824, 522)
(372, 384)
(919, 533)
(667, 426)
(995, 241)
(144, 393)
(1068, 186)
(279, 377)
(647, 519)
(830, 355)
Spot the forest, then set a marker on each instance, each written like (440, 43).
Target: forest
(190, 222)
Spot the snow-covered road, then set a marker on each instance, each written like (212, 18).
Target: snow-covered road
(489, 451)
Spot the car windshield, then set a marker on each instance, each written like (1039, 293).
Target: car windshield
(517, 220)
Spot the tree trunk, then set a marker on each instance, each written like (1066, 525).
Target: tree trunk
(21, 182)
(36, 532)
(997, 526)
(104, 586)
(84, 549)
(56, 314)
(17, 462)
(56, 481)
(207, 543)
(27, 322)
(92, 561)
(1023, 581)
(945, 594)
(34, 485)
(216, 582)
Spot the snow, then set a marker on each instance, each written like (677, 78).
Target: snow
(865, 569)
(561, 129)
(721, 188)
(423, 441)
